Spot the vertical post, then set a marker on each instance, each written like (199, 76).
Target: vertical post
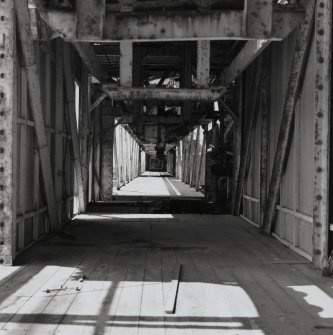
(30, 59)
(90, 19)
(186, 81)
(323, 38)
(126, 64)
(59, 120)
(258, 18)
(70, 95)
(281, 154)
(203, 62)
(8, 113)
(107, 152)
(265, 93)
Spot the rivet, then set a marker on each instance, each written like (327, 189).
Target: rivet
(2, 224)
(2, 132)
(2, 150)
(1, 243)
(320, 87)
(1, 260)
(321, 5)
(321, 59)
(2, 75)
(2, 55)
(2, 206)
(319, 169)
(319, 197)
(321, 31)
(2, 95)
(2, 18)
(2, 169)
(2, 187)
(2, 113)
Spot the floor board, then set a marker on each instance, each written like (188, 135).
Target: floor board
(233, 280)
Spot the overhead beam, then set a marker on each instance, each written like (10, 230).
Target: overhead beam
(281, 153)
(192, 25)
(32, 70)
(163, 94)
(245, 57)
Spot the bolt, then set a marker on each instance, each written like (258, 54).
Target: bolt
(2, 150)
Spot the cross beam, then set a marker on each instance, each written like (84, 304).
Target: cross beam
(163, 94)
(186, 25)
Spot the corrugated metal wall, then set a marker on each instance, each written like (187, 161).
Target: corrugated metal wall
(294, 212)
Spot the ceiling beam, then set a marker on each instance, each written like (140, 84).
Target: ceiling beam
(246, 56)
(159, 26)
(163, 94)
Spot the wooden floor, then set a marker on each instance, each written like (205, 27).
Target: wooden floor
(233, 280)
(157, 184)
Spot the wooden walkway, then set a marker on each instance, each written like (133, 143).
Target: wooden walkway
(157, 184)
(233, 281)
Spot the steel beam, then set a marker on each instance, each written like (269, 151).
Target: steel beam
(322, 111)
(8, 114)
(163, 94)
(187, 25)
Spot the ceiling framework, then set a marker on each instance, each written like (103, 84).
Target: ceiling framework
(165, 63)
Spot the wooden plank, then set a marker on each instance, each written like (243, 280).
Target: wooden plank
(170, 304)
(321, 201)
(90, 19)
(245, 57)
(164, 94)
(59, 121)
(70, 95)
(247, 137)
(281, 154)
(36, 105)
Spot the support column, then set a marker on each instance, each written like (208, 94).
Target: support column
(107, 152)
(323, 38)
(8, 113)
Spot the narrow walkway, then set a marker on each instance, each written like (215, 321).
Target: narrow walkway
(157, 184)
(114, 278)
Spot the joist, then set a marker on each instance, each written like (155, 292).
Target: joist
(188, 25)
(30, 59)
(8, 145)
(281, 153)
(245, 57)
(322, 120)
(70, 95)
(163, 94)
